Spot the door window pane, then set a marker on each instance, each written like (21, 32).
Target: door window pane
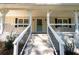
(39, 25)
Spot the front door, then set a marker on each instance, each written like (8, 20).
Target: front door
(39, 25)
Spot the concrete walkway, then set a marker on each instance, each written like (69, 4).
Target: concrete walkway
(39, 45)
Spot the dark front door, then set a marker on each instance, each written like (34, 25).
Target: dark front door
(39, 25)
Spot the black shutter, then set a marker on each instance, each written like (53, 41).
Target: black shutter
(69, 22)
(56, 22)
(16, 21)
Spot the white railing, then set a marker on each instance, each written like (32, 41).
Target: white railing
(22, 38)
(63, 27)
(62, 24)
(73, 35)
(58, 43)
(21, 41)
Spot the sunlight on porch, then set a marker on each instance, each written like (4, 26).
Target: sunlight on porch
(39, 45)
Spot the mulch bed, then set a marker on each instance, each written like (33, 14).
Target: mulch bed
(70, 53)
(4, 51)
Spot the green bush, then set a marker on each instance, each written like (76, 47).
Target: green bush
(9, 43)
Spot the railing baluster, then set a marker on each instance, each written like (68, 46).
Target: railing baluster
(61, 49)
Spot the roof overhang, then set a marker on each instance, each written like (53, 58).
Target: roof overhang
(34, 6)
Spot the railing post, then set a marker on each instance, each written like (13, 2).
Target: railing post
(61, 45)
(15, 51)
(61, 49)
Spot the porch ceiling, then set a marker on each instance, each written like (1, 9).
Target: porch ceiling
(54, 7)
(41, 9)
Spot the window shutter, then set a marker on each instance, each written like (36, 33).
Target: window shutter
(56, 22)
(69, 22)
(16, 21)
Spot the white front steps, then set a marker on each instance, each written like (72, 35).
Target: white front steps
(39, 45)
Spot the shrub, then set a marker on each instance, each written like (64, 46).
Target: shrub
(9, 43)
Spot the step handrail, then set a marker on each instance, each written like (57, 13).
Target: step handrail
(21, 35)
(17, 40)
(56, 35)
(61, 42)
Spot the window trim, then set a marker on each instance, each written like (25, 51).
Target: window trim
(62, 19)
(17, 24)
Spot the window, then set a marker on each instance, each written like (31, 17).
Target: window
(63, 21)
(25, 21)
(59, 21)
(21, 22)
(69, 22)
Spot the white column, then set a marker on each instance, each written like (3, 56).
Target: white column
(30, 17)
(30, 21)
(76, 21)
(48, 20)
(2, 17)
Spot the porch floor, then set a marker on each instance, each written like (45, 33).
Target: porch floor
(39, 45)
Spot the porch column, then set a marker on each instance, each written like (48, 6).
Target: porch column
(48, 20)
(76, 21)
(30, 17)
(76, 28)
(2, 18)
(30, 21)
